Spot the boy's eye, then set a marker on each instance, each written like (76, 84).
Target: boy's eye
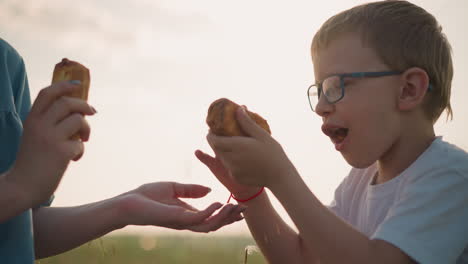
(332, 91)
(348, 81)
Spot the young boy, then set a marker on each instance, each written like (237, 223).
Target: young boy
(383, 74)
(32, 164)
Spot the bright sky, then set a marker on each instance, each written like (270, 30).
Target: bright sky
(157, 65)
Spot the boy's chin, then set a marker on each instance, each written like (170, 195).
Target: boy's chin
(358, 162)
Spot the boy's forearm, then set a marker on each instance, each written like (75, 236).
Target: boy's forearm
(278, 242)
(332, 239)
(58, 229)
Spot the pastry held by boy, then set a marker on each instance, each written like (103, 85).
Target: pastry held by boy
(222, 118)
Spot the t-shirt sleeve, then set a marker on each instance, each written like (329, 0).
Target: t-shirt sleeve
(337, 205)
(15, 104)
(430, 220)
(10, 134)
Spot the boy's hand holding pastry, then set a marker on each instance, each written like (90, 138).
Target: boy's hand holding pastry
(252, 159)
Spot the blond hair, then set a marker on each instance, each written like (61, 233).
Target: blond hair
(403, 35)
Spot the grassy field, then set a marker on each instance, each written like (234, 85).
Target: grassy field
(161, 249)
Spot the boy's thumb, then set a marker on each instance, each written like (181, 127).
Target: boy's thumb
(248, 125)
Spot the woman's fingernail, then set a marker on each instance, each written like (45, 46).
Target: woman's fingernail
(94, 109)
(76, 82)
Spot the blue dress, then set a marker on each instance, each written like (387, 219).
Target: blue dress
(16, 234)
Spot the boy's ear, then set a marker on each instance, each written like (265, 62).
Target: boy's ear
(414, 88)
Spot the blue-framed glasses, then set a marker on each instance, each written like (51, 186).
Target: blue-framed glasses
(333, 87)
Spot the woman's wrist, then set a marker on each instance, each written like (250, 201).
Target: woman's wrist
(24, 197)
(29, 190)
(117, 217)
(14, 199)
(124, 209)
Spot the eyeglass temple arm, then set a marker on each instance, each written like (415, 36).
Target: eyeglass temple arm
(430, 87)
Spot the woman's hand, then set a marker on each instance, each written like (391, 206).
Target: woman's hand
(46, 145)
(158, 204)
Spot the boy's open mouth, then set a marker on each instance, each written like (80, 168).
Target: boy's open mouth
(335, 133)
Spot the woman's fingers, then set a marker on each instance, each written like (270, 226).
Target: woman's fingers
(73, 124)
(228, 215)
(53, 108)
(49, 94)
(78, 157)
(213, 222)
(190, 218)
(64, 106)
(74, 149)
(189, 190)
(185, 205)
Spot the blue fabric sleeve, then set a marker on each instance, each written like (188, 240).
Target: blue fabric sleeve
(16, 234)
(10, 131)
(15, 103)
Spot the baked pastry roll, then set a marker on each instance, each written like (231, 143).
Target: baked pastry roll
(222, 118)
(68, 70)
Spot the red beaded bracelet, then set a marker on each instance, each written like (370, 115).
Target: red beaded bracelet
(245, 200)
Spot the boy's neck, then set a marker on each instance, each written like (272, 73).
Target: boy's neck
(405, 150)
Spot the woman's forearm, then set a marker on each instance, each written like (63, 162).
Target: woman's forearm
(58, 229)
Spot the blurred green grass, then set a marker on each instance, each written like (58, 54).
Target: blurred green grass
(152, 249)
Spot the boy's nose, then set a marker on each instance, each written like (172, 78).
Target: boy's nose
(323, 107)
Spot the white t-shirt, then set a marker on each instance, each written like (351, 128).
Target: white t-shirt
(423, 211)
